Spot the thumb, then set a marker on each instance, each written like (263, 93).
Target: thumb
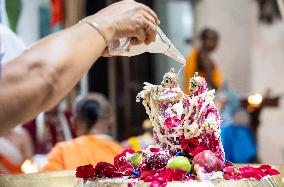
(106, 53)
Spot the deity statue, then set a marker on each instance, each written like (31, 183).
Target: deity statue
(177, 117)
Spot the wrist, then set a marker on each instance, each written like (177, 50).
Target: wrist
(105, 27)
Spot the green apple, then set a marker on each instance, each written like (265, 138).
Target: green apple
(136, 159)
(179, 162)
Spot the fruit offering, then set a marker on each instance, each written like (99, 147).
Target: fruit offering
(186, 129)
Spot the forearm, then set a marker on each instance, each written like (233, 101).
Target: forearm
(43, 74)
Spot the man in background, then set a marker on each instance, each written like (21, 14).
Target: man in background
(200, 61)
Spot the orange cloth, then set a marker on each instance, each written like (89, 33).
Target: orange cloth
(9, 166)
(191, 68)
(87, 149)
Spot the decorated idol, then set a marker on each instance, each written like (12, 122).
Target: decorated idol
(188, 148)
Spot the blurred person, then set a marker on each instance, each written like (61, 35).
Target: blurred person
(228, 103)
(94, 120)
(239, 136)
(16, 147)
(141, 142)
(200, 61)
(50, 128)
(105, 122)
(42, 75)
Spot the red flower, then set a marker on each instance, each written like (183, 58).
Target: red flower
(250, 172)
(155, 149)
(130, 151)
(172, 122)
(163, 175)
(247, 172)
(268, 170)
(191, 146)
(231, 172)
(147, 176)
(85, 172)
(143, 166)
(157, 184)
(173, 174)
(197, 150)
(121, 165)
(104, 169)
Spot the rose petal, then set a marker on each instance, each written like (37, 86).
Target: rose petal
(122, 165)
(104, 169)
(155, 149)
(85, 172)
(197, 150)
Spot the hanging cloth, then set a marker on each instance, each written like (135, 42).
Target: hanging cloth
(57, 14)
(13, 9)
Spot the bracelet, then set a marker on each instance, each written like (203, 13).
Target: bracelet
(97, 28)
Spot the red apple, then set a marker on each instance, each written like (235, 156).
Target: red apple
(209, 161)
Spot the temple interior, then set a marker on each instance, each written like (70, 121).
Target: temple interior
(237, 46)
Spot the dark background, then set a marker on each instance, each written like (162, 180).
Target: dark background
(127, 76)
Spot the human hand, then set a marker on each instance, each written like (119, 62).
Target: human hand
(127, 19)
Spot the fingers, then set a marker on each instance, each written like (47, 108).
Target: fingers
(150, 29)
(150, 20)
(146, 33)
(144, 37)
(106, 53)
(140, 37)
(135, 41)
(151, 35)
(152, 13)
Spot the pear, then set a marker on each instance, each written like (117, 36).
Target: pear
(136, 159)
(179, 162)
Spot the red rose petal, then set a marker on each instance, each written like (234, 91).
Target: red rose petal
(121, 165)
(145, 174)
(85, 172)
(189, 145)
(268, 170)
(197, 150)
(169, 122)
(155, 184)
(104, 169)
(155, 149)
(248, 172)
(163, 175)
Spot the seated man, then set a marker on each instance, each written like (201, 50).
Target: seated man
(94, 119)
